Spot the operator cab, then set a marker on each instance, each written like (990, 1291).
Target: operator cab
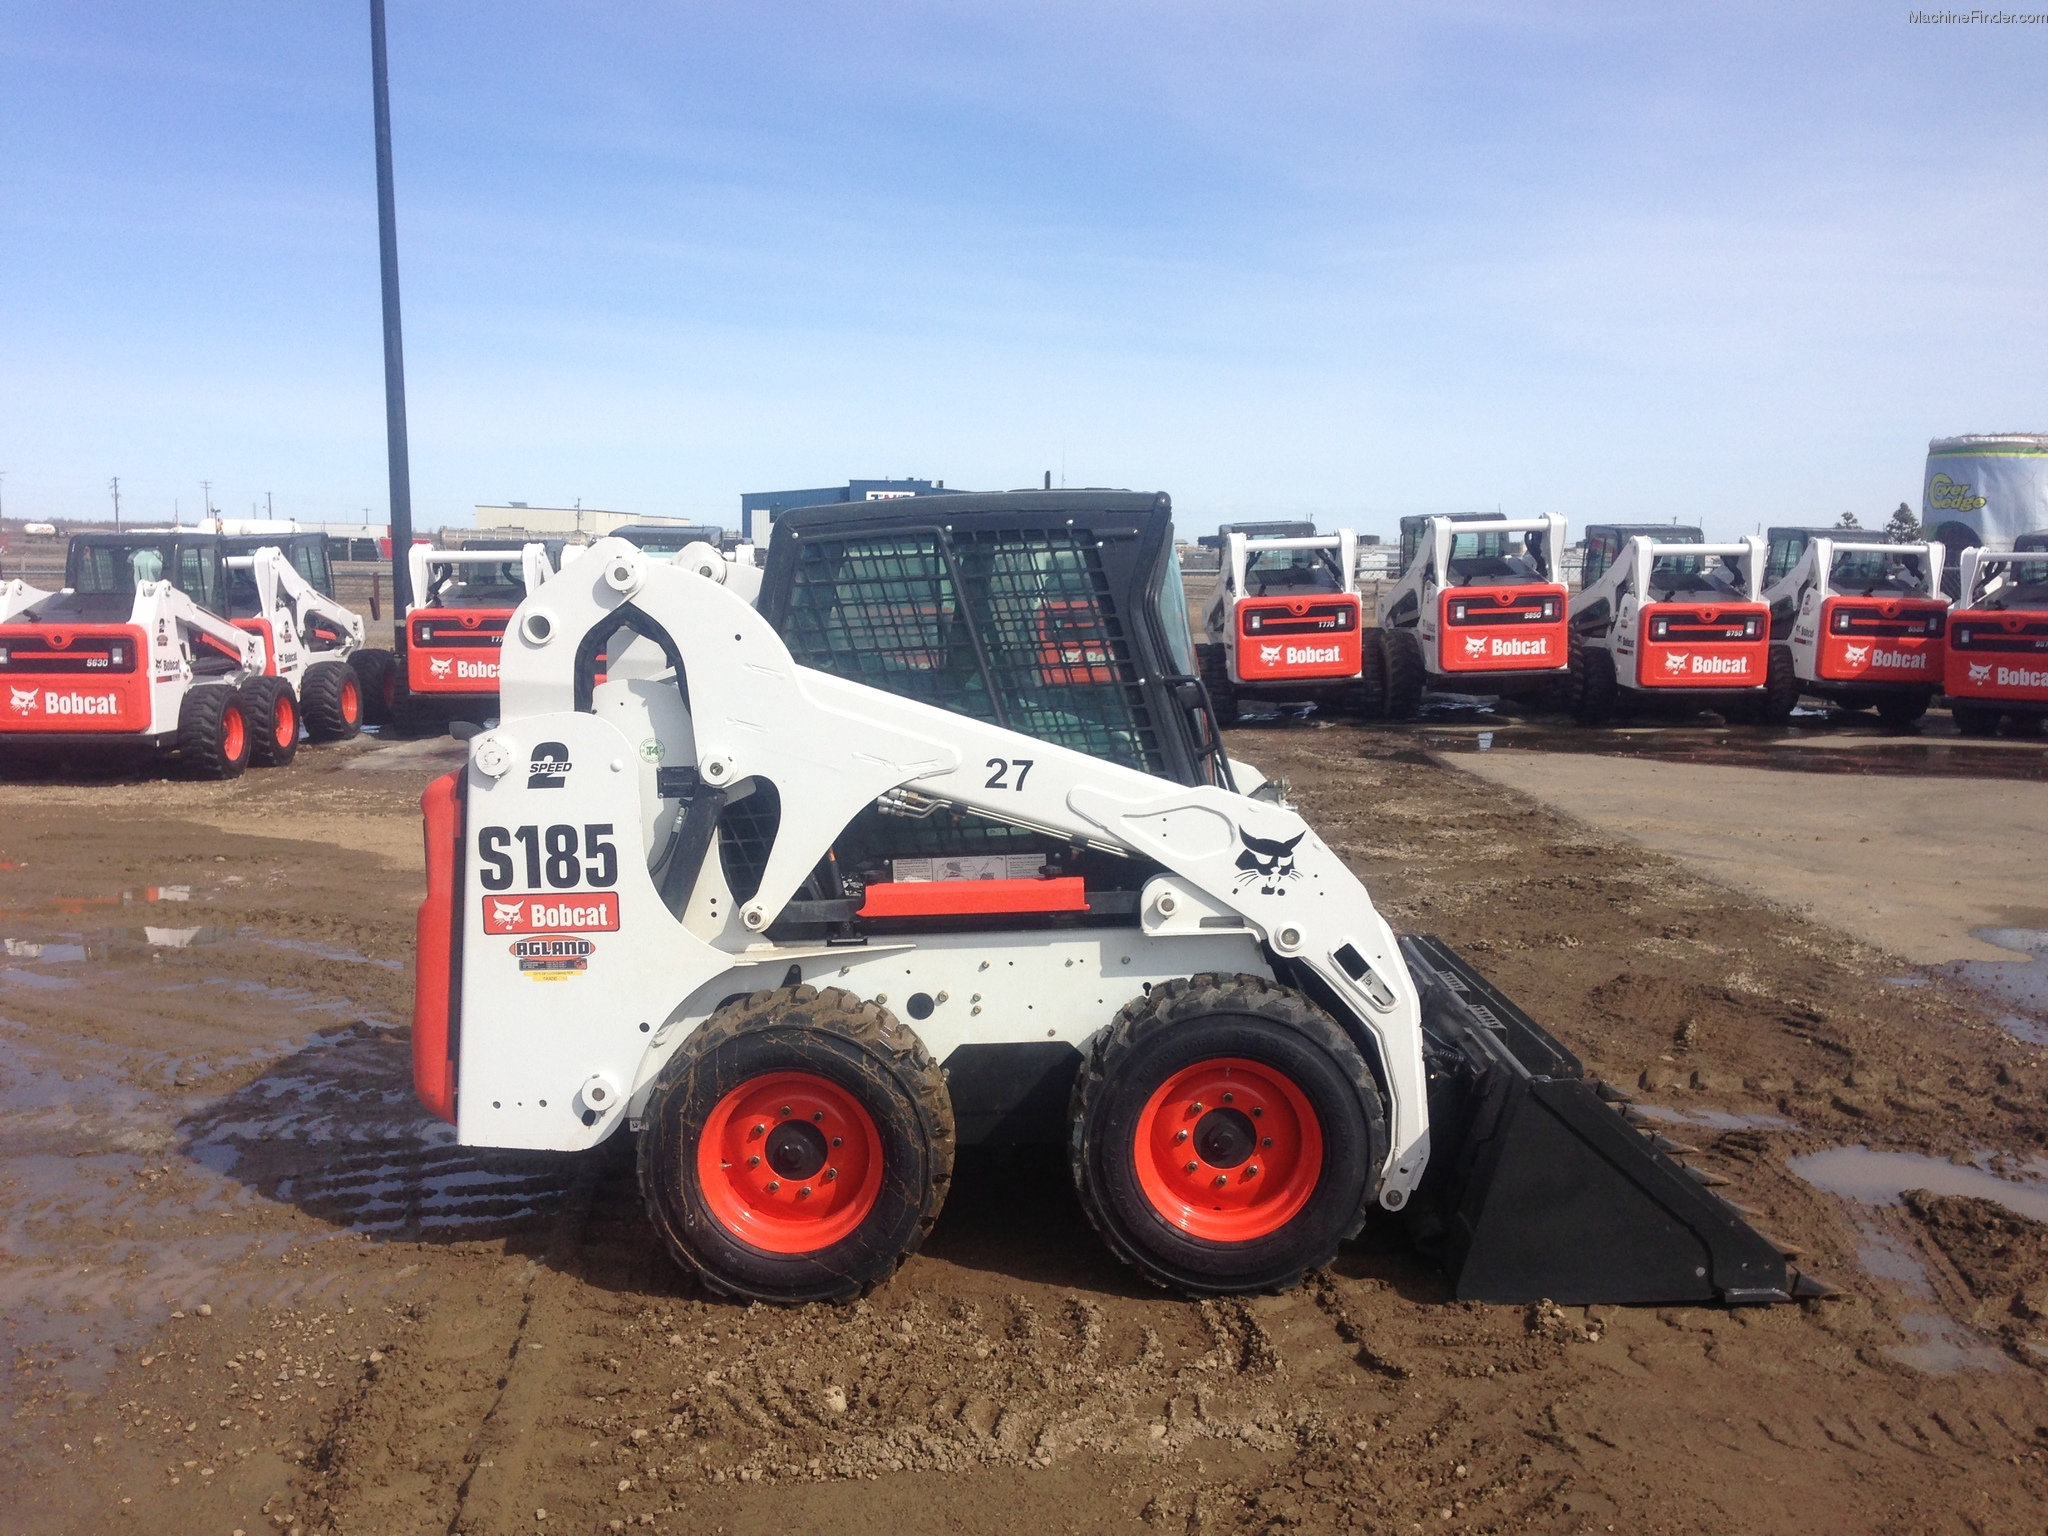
(490, 584)
(1060, 614)
(1478, 558)
(102, 571)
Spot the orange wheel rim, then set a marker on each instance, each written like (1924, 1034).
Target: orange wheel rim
(233, 733)
(351, 701)
(287, 722)
(789, 1162)
(1228, 1150)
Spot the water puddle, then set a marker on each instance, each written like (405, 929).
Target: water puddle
(1718, 1119)
(1880, 1178)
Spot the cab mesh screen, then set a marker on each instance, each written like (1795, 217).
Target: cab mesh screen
(1016, 627)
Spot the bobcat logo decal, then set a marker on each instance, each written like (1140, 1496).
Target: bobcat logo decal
(1267, 861)
(24, 700)
(440, 664)
(1855, 655)
(1269, 655)
(1980, 672)
(507, 913)
(1674, 661)
(1475, 645)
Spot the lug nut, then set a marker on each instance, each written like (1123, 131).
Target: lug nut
(1265, 1141)
(1230, 1098)
(817, 1114)
(838, 1141)
(774, 1186)
(785, 1109)
(1221, 1180)
(831, 1174)
(759, 1130)
(805, 1192)
(754, 1161)
(1191, 1167)
(1197, 1106)
(1251, 1170)
(1179, 1136)
(1258, 1114)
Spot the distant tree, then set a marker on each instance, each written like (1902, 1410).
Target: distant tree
(1848, 520)
(1904, 527)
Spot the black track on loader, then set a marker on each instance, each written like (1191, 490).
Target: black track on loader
(1538, 1187)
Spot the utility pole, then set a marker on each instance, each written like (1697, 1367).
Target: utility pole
(115, 485)
(206, 498)
(394, 347)
(268, 510)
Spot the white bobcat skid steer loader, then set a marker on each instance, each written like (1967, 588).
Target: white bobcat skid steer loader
(811, 894)
(1853, 621)
(1661, 617)
(1284, 621)
(461, 602)
(135, 654)
(316, 661)
(1480, 608)
(1998, 640)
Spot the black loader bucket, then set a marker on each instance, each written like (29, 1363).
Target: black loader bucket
(1538, 1187)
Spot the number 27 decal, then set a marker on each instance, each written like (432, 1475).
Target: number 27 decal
(1001, 766)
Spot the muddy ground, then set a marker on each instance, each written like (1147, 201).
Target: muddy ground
(247, 1286)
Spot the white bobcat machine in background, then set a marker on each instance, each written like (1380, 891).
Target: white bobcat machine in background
(811, 894)
(1997, 664)
(1284, 621)
(1664, 618)
(1479, 608)
(151, 647)
(1853, 621)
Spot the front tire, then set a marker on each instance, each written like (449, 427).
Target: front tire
(272, 712)
(213, 733)
(332, 699)
(1215, 662)
(1974, 719)
(1252, 1085)
(1596, 691)
(1369, 694)
(798, 1147)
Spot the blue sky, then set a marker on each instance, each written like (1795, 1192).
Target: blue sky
(1730, 264)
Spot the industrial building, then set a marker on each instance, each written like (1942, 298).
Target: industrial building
(775, 503)
(516, 517)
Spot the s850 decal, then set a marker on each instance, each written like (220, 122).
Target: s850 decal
(547, 856)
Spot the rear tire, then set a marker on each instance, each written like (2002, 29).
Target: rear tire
(1369, 695)
(1782, 688)
(1597, 690)
(271, 710)
(213, 733)
(1222, 691)
(1405, 673)
(1974, 719)
(377, 674)
(1137, 1118)
(1899, 711)
(2022, 725)
(332, 700)
(867, 1080)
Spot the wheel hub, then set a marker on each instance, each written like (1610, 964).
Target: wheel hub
(796, 1149)
(1224, 1137)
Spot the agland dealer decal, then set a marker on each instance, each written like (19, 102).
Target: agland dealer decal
(590, 912)
(552, 959)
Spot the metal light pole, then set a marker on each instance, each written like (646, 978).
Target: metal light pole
(394, 349)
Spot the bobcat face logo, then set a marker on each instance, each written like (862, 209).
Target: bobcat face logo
(24, 700)
(1980, 672)
(1674, 661)
(1475, 645)
(507, 913)
(1268, 861)
(1269, 655)
(1855, 655)
(440, 664)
